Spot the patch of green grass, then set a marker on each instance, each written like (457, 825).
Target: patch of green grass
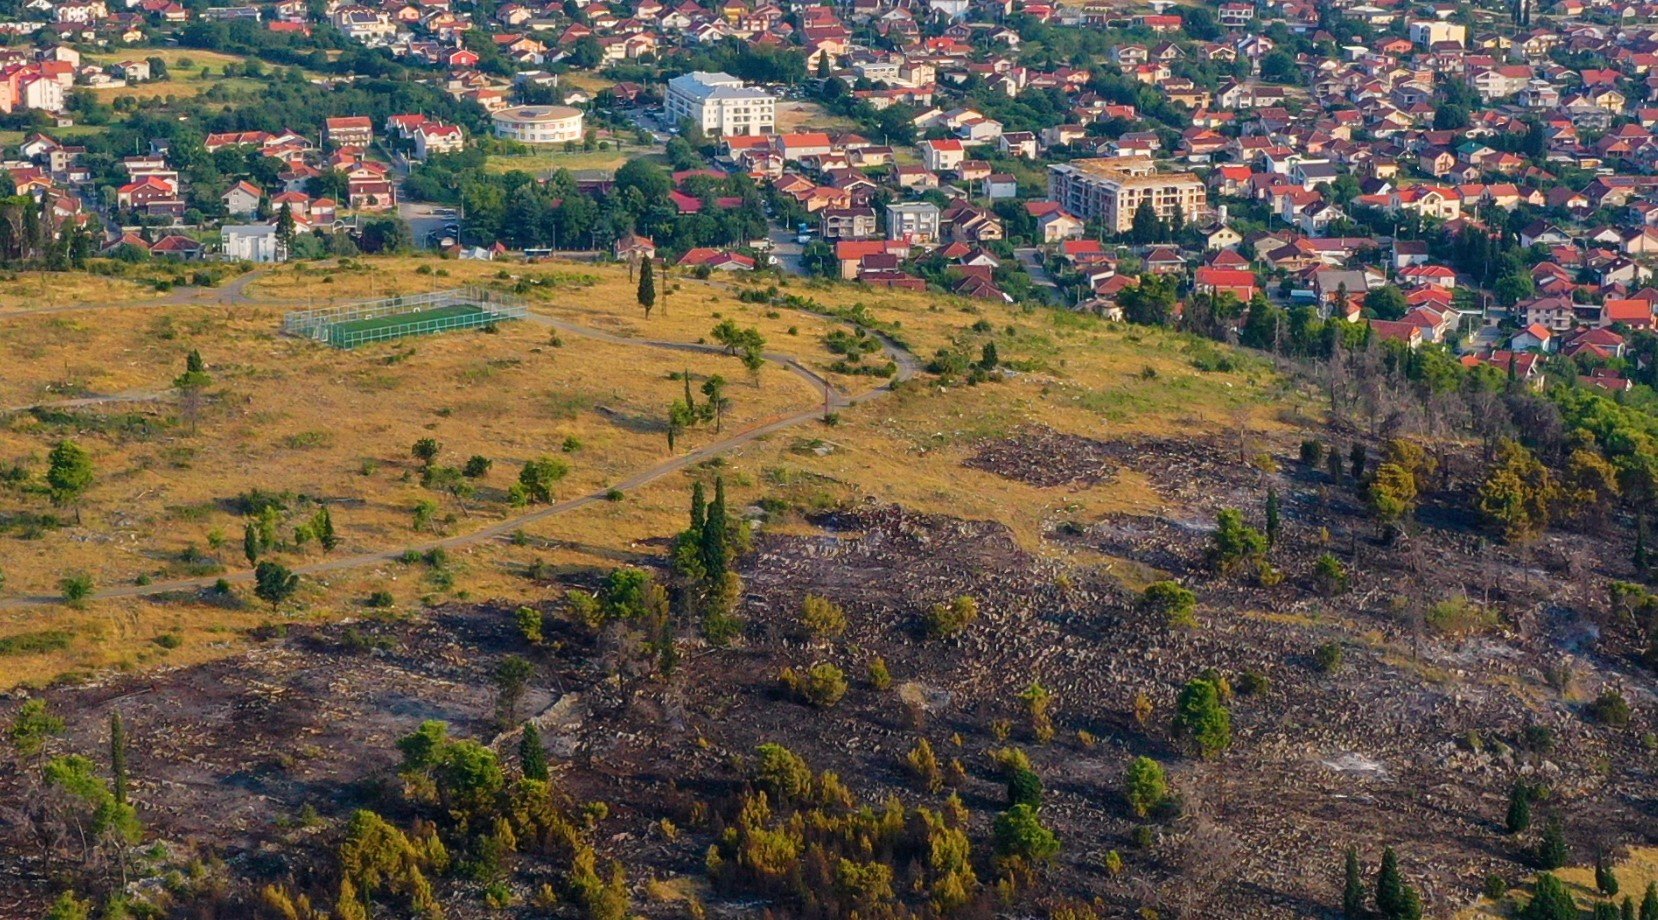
(36, 643)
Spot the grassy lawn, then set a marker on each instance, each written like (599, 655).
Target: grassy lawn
(192, 58)
(181, 86)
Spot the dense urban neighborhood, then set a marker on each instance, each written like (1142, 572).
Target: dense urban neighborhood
(870, 460)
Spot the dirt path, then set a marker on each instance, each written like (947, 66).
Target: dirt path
(81, 402)
(906, 363)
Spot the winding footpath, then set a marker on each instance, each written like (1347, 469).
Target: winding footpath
(235, 293)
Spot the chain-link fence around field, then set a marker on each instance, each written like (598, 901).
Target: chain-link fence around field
(351, 325)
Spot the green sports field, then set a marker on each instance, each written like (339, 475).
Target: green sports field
(397, 325)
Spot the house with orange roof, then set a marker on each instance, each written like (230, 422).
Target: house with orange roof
(1535, 337)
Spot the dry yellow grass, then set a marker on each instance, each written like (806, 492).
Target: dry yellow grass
(32, 290)
(294, 416)
(1635, 872)
(796, 115)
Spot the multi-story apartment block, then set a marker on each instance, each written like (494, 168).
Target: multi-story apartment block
(1110, 190)
(719, 104)
(914, 221)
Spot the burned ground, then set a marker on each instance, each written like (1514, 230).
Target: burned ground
(1040, 456)
(1414, 742)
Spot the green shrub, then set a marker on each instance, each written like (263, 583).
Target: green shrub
(945, 620)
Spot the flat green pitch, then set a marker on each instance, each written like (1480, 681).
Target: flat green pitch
(422, 322)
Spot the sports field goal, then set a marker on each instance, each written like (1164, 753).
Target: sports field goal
(351, 325)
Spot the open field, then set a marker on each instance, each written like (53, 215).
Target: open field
(296, 417)
(290, 416)
(546, 162)
(32, 290)
(181, 87)
(799, 115)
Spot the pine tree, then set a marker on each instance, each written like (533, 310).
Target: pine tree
(1519, 809)
(647, 287)
(1390, 888)
(1552, 852)
(532, 757)
(1272, 517)
(1352, 895)
(118, 757)
(1606, 880)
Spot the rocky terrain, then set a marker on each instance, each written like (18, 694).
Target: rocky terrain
(1414, 741)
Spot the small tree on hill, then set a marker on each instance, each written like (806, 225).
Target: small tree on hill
(1606, 880)
(273, 583)
(1549, 900)
(1148, 786)
(1395, 899)
(1202, 719)
(1552, 851)
(532, 757)
(1518, 819)
(1352, 892)
(647, 287)
(68, 475)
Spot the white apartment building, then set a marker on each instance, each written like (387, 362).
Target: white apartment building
(719, 104)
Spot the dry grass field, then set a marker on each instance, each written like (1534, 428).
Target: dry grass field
(1635, 872)
(796, 115)
(32, 290)
(296, 418)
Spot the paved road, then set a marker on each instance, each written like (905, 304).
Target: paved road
(784, 250)
(907, 365)
(1031, 259)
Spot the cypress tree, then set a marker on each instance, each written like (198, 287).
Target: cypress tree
(699, 508)
(1605, 879)
(1272, 517)
(532, 757)
(647, 287)
(1606, 910)
(1627, 910)
(716, 553)
(118, 756)
(1352, 894)
(1390, 888)
(250, 543)
(1649, 902)
(1519, 809)
(324, 526)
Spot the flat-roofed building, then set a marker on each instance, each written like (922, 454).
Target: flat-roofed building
(719, 104)
(1111, 189)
